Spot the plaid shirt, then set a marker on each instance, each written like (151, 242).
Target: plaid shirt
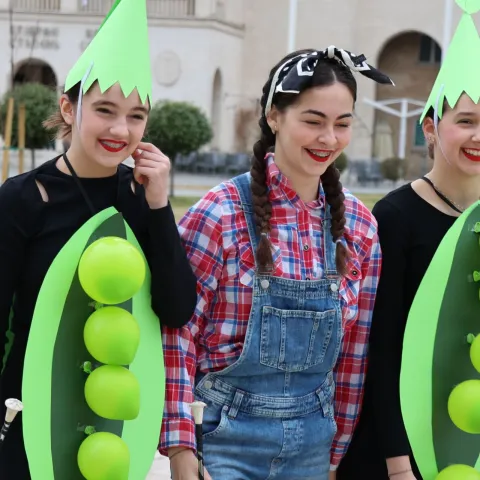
(216, 240)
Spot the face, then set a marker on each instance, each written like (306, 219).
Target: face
(314, 131)
(111, 125)
(458, 135)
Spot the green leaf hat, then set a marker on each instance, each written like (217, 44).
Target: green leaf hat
(460, 70)
(119, 53)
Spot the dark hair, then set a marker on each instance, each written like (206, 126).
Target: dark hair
(327, 72)
(431, 114)
(56, 120)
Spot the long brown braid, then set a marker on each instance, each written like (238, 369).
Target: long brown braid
(327, 72)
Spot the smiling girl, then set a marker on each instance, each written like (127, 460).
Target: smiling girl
(412, 222)
(42, 209)
(287, 265)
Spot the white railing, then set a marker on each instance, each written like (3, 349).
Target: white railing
(171, 8)
(36, 5)
(156, 8)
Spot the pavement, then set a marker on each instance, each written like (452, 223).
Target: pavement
(160, 469)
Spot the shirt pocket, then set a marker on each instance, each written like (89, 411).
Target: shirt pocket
(247, 263)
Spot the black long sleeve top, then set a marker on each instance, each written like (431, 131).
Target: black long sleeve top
(410, 230)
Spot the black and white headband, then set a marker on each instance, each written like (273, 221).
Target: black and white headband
(295, 74)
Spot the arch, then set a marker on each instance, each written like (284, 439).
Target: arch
(412, 59)
(35, 70)
(216, 114)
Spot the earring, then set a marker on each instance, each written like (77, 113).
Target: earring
(274, 129)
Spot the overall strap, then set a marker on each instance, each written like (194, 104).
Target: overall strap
(242, 182)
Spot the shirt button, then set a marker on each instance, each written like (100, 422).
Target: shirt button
(208, 384)
(265, 284)
(306, 247)
(333, 287)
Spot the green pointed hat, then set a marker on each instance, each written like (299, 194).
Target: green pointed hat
(119, 53)
(460, 70)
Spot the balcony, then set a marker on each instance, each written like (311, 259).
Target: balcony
(156, 8)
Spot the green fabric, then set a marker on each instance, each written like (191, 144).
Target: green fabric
(53, 382)
(436, 355)
(119, 53)
(68, 405)
(460, 69)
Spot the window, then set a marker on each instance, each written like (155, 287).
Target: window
(419, 137)
(430, 51)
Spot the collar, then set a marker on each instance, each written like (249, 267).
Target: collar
(280, 188)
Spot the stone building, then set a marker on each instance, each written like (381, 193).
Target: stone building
(217, 54)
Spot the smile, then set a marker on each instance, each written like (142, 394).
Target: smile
(112, 145)
(320, 156)
(472, 154)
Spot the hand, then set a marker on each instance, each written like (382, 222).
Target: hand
(332, 475)
(152, 170)
(184, 466)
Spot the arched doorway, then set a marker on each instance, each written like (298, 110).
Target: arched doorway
(217, 109)
(34, 70)
(412, 59)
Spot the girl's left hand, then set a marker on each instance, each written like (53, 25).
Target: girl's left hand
(152, 170)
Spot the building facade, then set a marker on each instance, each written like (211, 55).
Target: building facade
(218, 53)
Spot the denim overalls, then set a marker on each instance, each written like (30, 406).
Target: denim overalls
(270, 414)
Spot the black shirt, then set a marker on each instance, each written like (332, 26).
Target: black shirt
(410, 230)
(32, 232)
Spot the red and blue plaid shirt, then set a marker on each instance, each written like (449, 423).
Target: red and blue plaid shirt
(216, 240)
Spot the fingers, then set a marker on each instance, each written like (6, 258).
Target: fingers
(148, 147)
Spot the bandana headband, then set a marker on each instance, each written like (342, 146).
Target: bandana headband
(294, 75)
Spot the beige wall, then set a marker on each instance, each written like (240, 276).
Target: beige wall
(362, 26)
(243, 39)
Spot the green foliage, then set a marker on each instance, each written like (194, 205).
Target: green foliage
(178, 128)
(342, 162)
(40, 102)
(393, 168)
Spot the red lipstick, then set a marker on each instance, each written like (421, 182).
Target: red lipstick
(471, 156)
(322, 157)
(113, 146)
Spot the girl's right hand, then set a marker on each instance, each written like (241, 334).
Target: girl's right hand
(184, 466)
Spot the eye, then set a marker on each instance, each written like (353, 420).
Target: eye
(311, 122)
(104, 110)
(465, 120)
(138, 117)
(343, 125)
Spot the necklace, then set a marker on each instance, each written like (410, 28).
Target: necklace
(441, 195)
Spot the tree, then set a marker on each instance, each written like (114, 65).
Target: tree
(342, 162)
(393, 169)
(40, 102)
(177, 128)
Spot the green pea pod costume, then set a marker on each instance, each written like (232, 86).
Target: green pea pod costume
(53, 382)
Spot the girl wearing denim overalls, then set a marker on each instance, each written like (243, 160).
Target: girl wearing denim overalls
(287, 266)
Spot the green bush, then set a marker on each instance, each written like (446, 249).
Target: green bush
(393, 168)
(177, 128)
(40, 102)
(342, 162)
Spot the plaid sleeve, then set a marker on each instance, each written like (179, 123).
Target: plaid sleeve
(201, 232)
(351, 365)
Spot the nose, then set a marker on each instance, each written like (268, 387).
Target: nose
(476, 134)
(119, 128)
(327, 137)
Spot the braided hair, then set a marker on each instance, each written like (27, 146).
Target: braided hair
(327, 72)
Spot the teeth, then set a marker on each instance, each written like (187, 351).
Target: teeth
(321, 155)
(475, 153)
(113, 145)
